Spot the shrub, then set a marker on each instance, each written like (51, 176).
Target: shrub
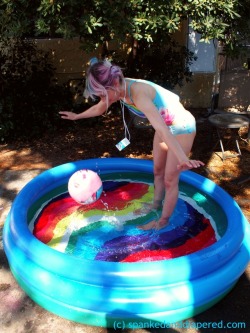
(29, 97)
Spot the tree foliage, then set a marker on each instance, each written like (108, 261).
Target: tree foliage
(29, 101)
(103, 20)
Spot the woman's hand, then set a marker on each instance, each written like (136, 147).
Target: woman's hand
(68, 115)
(189, 164)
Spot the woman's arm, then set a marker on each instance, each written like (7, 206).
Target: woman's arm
(94, 111)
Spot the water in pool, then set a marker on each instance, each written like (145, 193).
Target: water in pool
(108, 230)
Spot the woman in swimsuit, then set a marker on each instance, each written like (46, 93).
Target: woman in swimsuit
(174, 128)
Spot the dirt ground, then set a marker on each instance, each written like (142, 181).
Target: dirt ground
(97, 138)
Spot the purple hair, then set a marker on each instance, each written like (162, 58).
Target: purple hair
(101, 76)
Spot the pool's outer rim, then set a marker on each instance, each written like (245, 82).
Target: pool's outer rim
(191, 271)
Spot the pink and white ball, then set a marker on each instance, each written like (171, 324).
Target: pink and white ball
(85, 186)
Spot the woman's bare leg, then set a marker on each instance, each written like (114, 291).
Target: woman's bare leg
(172, 175)
(160, 152)
(160, 156)
(169, 182)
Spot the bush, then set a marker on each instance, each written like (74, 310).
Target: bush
(29, 97)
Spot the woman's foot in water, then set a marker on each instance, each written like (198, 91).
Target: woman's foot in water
(148, 207)
(155, 224)
(150, 225)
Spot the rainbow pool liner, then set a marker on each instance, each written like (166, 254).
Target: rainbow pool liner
(107, 229)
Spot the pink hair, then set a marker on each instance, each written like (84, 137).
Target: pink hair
(101, 76)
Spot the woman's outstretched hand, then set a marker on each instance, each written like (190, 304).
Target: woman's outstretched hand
(68, 115)
(189, 164)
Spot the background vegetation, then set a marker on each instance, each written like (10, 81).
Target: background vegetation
(29, 98)
(28, 95)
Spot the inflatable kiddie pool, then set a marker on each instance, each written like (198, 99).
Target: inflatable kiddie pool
(112, 274)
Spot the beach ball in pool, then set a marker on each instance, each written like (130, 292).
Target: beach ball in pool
(85, 186)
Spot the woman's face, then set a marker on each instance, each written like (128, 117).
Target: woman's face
(112, 96)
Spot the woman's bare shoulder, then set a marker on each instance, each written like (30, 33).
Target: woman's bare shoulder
(142, 88)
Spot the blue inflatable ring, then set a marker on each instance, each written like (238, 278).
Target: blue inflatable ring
(107, 293)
